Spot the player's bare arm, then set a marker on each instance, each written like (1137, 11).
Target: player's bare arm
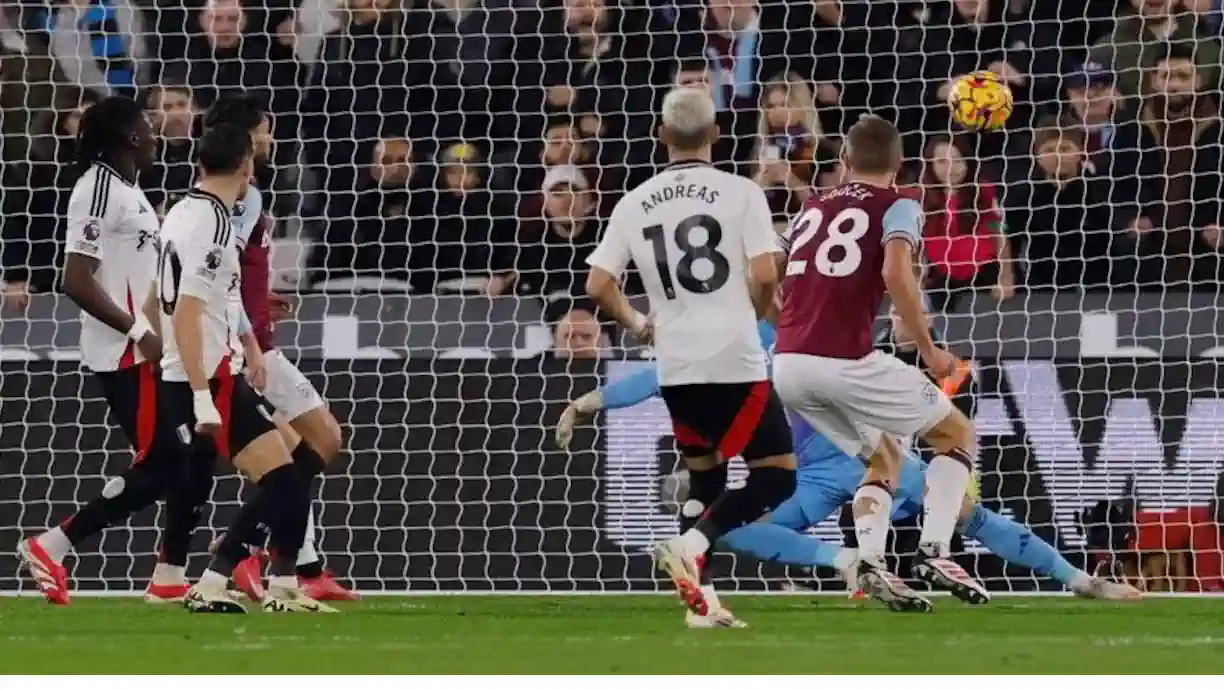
(899, 280)
(604, 289)
(188, 334)
(82, 287)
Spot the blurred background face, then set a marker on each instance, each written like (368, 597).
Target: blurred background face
(566, 204)
(1060, 158)
(223, 21)
(173, 114)
(559, 146)
(778, 111)
(1093, 104)
(70, 125)
(585, 16)
(974, 11)
(577, 336)
(948, 164)
(461, 177)
(392, 164)
(1176, 80)
(732, 14)
(262, 140)
(697, 79)
(1155, 9)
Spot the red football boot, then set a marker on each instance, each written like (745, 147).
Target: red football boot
(325, 588)
(248, 576)
(50, 576)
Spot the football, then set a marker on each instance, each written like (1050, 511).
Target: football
(980, 101)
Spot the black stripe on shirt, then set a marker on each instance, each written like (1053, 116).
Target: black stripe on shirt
(221, 235)
(101, 191)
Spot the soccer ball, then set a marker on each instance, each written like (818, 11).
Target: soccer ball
(980, 101)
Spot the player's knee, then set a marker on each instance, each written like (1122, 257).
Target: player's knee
(321, 431)
(770, 486)
(262, 456)
(954, 431)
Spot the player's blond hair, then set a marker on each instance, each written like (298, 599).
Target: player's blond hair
(688, 114)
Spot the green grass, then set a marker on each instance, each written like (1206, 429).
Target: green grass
(481, 634)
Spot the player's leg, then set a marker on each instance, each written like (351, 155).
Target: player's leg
(1016, 543)
(184, 509)
(745, 420)
(250, 437)
(318, 443)
(779, 537)
(156, 468)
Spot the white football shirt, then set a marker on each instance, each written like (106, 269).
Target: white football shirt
(111, 221)
(199, 258)
(691, 231)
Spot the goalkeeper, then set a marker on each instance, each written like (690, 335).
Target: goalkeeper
(828, 479)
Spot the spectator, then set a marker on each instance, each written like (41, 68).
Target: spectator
(1166, 173)
(366, 234)
(1057, 214)
(459, 238)
(553, 257)
(1094, 101)
(789, 123)
(1139, 39)
(963, 234)
(99, 45)
(577, 335)
(173, 110)
(786, 192)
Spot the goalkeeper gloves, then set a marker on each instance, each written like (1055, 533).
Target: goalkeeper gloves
(577, 411)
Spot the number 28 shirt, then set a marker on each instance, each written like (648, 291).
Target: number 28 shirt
(199, 258)
(691, 231)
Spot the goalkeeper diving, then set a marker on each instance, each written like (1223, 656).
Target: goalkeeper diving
(827, 479)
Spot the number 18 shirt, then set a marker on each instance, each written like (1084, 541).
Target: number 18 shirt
(691, 231)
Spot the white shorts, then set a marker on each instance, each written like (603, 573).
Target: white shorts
(852, 402)
(288, 389)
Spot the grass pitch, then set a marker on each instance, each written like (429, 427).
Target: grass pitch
(617, 634)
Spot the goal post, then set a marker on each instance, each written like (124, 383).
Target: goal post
(433, 236)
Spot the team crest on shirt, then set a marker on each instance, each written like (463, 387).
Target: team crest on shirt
(92, 230)
(240, 209)
(213, 259)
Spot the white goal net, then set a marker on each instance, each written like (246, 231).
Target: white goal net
(442, 168)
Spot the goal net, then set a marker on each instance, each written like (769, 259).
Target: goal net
(441, 169)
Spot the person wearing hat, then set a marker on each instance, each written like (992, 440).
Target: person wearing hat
(553, 257)
(460, 166)
(1092, 92)
(1137, 41)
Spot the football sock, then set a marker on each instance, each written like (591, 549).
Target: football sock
(704, 488)
(774, 543)
(56, 543)
(947, 479)
(872, 516)
(213, 581)
(307, 460)
(185, 507)
(1017, 544)
(289, 504)
(766, 488)
(309, 465)
(167, 575)
(308, 564)
(122, 496)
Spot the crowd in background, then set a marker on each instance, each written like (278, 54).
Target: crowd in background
(478, 145)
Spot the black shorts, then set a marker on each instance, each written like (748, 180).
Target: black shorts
(245, 414)
(735, 419)
(131, 394)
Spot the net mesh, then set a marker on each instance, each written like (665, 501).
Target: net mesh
(442, 168)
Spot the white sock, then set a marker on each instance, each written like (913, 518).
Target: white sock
(56, 543)
(169, 575)
(946, 482)
(845, 558)
(871, 528)
(308, 555)
(282, 582)
(693, 543)
(711, 597)
(212, 581)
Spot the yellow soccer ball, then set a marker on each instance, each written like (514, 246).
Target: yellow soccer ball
(980, 101)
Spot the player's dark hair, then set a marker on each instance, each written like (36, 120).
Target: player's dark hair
(245, 110)
(873, 146)
(223, 149)
(106, 130)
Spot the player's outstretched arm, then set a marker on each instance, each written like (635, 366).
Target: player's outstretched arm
(625, 391)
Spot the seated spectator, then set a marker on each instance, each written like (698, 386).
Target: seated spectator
(790, 124)
(1094, 102)
(459, 238)
(1166, 170)
(1135, 45)
(697, 73)
(577, 335)
(173, 110)
(1056, 215)
(552, 258)
(366, 234)
(99, 45)
(963, 234)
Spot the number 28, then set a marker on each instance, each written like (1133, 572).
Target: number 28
(844, 232)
